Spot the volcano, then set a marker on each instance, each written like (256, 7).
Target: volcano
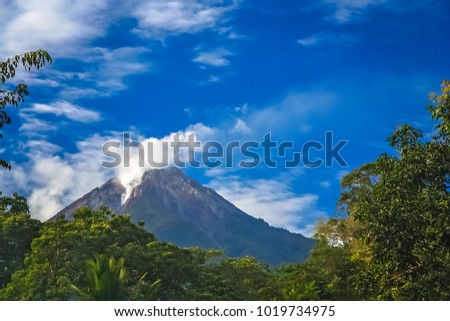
(178, 209)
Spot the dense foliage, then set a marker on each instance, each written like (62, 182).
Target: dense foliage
(103, 256)
(401, 204)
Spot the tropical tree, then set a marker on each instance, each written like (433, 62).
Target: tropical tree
(232, 279)
(57, 261)
(401, 203)
(17, 230)
(328, 274)
(60, 253)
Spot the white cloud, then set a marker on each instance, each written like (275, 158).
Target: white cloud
(117, 64)
(241, 127)
(310, 41)
(158, 18)
(66, 109)
(52, 182)
(37, 78)
(71, 93)
(213, 79)
(56, 25)
(273, 201)
(162, 154)
(220, 171)
(33, 125)
(14, 180)
(104, 72)
(328, 39)
(291, 113)
(325, 184)
(46, 201)
(347, 10)
(40, 147)
(215, 58)
(81, 171)
(241, 109)
(289, 116)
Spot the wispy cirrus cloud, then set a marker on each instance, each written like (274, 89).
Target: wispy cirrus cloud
(325, 184)
(160, 18)
(40, 147)
(65, 109)
(33, 125)
(322, 39)
(111, 75)
(272, 200)
(291, 113)
(214, 58)
(102, 72)
(347, 10)
(212, 79)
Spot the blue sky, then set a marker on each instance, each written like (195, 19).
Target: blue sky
(224, 70)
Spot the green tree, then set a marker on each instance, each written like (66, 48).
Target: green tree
(332, 270)
(336, 259)
(17, 230)
(178, 270)
(57, 261)
(60, 253)
(401, 204)
(17, 95)
(232, 279)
